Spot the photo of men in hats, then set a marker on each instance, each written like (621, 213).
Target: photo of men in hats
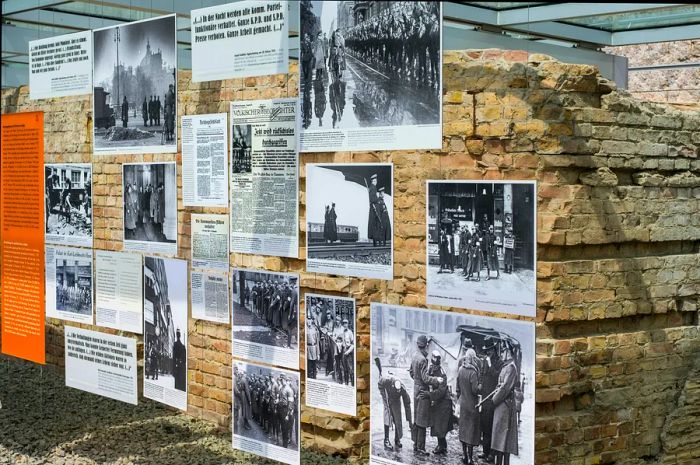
(460, 390)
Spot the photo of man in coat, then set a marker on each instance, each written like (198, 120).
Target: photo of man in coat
(393, 395)
(180, 364)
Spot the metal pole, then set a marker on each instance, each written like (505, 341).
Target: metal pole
(117, 39)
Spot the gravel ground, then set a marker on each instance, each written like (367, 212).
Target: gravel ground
(44, 422)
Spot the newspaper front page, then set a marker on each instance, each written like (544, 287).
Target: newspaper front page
(264, 178)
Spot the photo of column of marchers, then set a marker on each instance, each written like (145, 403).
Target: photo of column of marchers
(349, 218)
(266, 308)
(150, 203)
(330, 339)
(74, 285)
(68, 198)
(378, 60)
(451, 388)
(135, 87)
(266, 405)
(482, 245)
(165, 324)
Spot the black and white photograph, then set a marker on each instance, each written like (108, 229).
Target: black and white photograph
(68, 199)
(330, 353)
(266, 316)
(165, 331)
(241, 148)
(370, 75)
(481, 248)
(265, 418)
(69, 284)
(450, 389)
(350, 219)
(135, 87)
(150, 207)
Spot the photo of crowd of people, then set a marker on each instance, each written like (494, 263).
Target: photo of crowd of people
(482, 245)
(266, 314)
(74, 285)
(150, 205)
(266, 411)
(370, 64)
(241, 148)
(68, 204)
(345, 233)
(451, 388)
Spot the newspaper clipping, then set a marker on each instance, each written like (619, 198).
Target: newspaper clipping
(265, 316)
(240, 39)
(450, 388)
(330, 353)
(481, 248)
(119, 291)
(165, 331)
(134, 97)
(264, 177)
(266, 412)
(150, 207)
(370, 75)
(210, 241)
(68, 198)
(101, 363)
(210, 297)
(354, 235)
(69, 284)
(60, 66)
(204, 152)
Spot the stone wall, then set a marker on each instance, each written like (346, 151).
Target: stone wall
(618, 247)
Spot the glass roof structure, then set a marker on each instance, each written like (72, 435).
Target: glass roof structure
(592, 26)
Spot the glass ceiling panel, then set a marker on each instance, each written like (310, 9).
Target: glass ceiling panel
(103, 11)
(505, 5)
(672, 16)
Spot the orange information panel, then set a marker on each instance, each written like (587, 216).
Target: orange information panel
(22, 236)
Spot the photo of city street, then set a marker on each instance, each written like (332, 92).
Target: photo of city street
(134, 95)
(370, 64)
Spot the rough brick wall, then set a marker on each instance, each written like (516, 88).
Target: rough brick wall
(618, 247)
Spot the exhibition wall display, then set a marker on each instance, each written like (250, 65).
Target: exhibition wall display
(60, 66)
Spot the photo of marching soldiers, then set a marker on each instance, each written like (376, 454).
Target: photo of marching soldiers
(451, 388)
(241, 148)
(370, 64)
(68, 199)
(74, 285)
(482, 245)
(135, 87)
(266, 412)
(150, 206)
(266, 315)
(165, 331)
(349, 216)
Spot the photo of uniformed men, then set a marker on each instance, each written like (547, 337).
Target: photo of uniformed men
(266, 310)
(68, 204)
(349, 217)
(74, 284)
(266, 411)
(135, 87)
(450, 388)
(330, 339)
(481, 245)
(165, 330)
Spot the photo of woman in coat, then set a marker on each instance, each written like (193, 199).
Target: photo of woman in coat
(468, 388)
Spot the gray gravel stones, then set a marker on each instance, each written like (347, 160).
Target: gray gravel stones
(43, 422)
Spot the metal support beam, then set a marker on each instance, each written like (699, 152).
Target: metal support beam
(559, 11)
(18, 6)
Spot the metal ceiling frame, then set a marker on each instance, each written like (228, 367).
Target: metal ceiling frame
(542, 23)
